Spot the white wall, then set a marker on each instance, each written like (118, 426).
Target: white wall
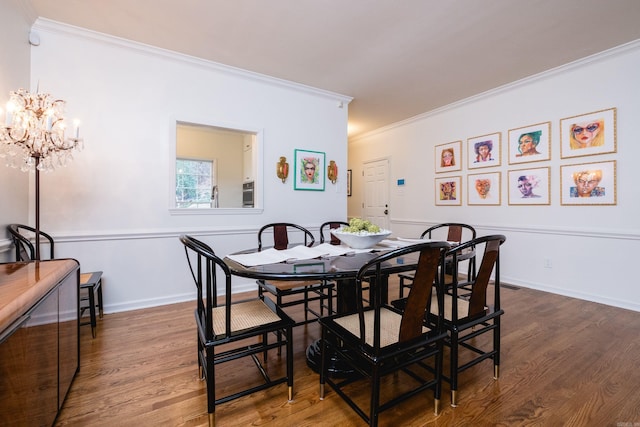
(15, 23)
(110, 207)
(591, 248)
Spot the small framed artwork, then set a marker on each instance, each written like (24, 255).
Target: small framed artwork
(483, 189)
(588, 184)
(484, 151)
(349, 183)
(309, 170)
(529, 186)
(530, 143)
(449, 191)
(588, 134)
(448, 157)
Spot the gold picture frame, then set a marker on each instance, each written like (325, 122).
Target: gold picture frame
(448, 191)
(589, 134)
(588, 184)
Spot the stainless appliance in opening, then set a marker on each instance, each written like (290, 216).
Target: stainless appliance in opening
(247, 195)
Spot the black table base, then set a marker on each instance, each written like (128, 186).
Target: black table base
(337, 367)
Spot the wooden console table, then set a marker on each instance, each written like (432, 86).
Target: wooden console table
(39, 339)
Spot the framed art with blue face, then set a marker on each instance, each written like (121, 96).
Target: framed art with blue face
(588, 134)
(530, 143)
(309, 170)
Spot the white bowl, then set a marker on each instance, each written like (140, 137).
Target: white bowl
(362, 240)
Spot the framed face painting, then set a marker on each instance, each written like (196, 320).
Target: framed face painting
(448, 191)
(588, 184)
(448, 157)
(588, 134)
(309, 170)
(530, 143)
(484, 151)
(529, 186)
(483, 188)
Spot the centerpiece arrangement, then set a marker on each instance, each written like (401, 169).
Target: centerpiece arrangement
(360, 234)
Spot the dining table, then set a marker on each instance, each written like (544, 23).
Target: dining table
(342, 269)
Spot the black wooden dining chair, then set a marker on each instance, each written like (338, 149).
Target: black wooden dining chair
(294, 292)
(452, 232)
(468, 313)
(378, 340)
(24, 241)
(227, 330)
(325, 230)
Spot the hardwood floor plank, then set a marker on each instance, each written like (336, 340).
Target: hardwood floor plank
(563, 362)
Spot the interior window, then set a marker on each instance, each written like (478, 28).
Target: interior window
(216, 169)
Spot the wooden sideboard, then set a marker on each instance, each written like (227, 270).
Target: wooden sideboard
(39, 339)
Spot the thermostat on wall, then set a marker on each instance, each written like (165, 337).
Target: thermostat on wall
(401, 181)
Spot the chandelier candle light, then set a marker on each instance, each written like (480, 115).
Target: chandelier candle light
(33, 137)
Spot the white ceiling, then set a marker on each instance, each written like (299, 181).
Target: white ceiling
(396, 58)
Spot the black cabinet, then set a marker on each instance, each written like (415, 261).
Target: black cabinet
(39, 357)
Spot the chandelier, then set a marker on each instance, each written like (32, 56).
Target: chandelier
(33, 137)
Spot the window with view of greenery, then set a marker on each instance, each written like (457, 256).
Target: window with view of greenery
(194, 183)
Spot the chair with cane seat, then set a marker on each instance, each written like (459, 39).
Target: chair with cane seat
(468, 314)
(378, 340)
(294, 292)
(456, 233)
(90, 283)
(232, 330)
(328, 226)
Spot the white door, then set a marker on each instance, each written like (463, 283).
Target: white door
(376, 193)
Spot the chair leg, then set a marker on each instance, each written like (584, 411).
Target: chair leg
(279, 333)
(454, 368)
(375, 396)
(100, 306)
(211, 387)
(290, 362)
(323, 361)
(92, 310)
(496, 348)
(437, 392)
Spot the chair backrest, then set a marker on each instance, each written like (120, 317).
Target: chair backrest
(328, 226)
(281, 234)
(490, 263)
(430, 257)
(204, 266)
(455, 232)
(22, 236)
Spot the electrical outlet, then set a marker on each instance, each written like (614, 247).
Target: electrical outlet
(547, 263)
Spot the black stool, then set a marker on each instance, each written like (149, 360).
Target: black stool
(92, 282)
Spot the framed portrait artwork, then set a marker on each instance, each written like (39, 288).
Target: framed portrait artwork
(529, 186)
(588, 134)
(448, 191)
(484, 151)
(448, 157)
(588, 184)
(530, 143)
(309, 170)
(349, 184)
(483, 189)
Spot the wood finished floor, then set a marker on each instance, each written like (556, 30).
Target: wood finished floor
(564, 362)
